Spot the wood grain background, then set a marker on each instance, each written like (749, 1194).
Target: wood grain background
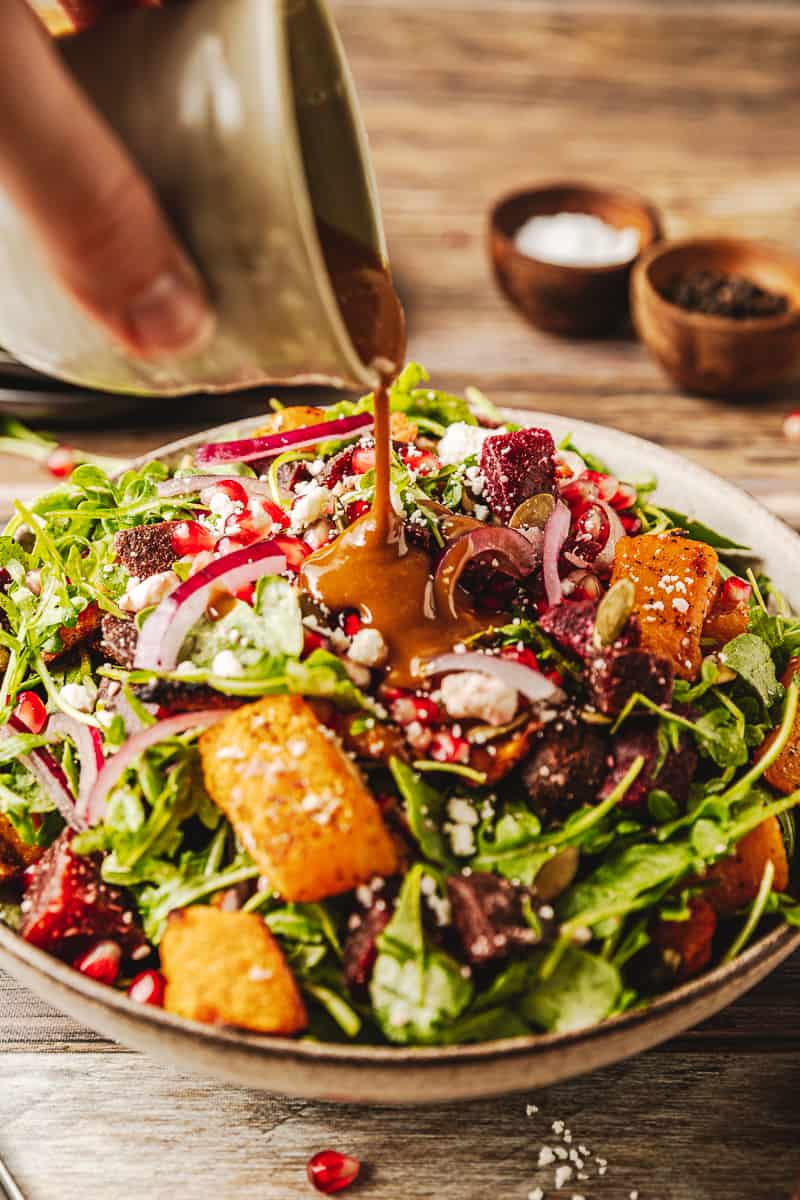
(698, 107)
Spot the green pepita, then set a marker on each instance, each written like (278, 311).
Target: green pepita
(533, 513)
(613, 612)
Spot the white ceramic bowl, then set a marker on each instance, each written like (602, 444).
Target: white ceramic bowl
(387, 1075)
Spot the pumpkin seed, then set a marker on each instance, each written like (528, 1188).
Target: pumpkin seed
(613, 612)
(557, 873)
(533, 513)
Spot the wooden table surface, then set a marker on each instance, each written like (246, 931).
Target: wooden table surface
(696, 106)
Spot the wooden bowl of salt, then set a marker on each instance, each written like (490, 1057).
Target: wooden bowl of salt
(563, 253)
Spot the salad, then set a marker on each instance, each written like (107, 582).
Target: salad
(535, 766)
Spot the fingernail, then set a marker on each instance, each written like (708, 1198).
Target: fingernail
(170, 316)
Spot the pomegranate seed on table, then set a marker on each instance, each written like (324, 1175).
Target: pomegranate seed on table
(61, 462)
(329, 1171)
(295, 550)
(447, 748)
(101, 962)
(190, 537)
(31, 710)
(148, 987)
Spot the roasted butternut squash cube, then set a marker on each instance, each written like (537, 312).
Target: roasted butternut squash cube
(784, 773)
(687, 945)
(287, 419)
(675, 582)
(15, 855)
(726, 621)
(225, 968)
(296, 800)
(734, 881)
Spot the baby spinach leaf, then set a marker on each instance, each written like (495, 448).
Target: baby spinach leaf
(582, 990)
(749, 656)
(425, 810)
(699, 531)
(624, 877)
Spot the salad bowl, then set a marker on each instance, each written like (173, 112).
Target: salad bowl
(411, 1075)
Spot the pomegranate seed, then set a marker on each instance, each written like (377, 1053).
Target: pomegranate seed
(525, 656)
(351, 623)
(190, 537)
(246, 593)
(234, 490)
(101, 962)
(329, 1171)
(578, 494)
(28, 876)
(257, 520)
(607, 485)
(61, 461)
(406, 709)
(447, 748)
(791, 427)
(312, 641)
(735, 591)
(624, 497)
(148, 988)
(363, 459)
(631, 524)
(593, 525)
(295, 550)
(359, 508)
(30, 709)
(555, 677)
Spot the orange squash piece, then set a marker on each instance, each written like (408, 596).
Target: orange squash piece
(287, 419)
(15, 855)
(724, 621)
(784, 774)
(674, 578)
(734, 881)
(688, 944)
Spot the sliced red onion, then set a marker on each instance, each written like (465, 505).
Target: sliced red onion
(89, 745)
(128, 751)
(50, 774)
(187, 485)
(555, 534)
(247, 449)
(532, 684)
(513, 554)
(164, 631)
(616, 531)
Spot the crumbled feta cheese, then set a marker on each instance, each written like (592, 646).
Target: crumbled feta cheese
(318, 534)
(359, 675)
(460, 442)
(461, 811)
(226, 663)
(186, 667)
(308, 509)
(368, 648)
(147, 592)
(476, 694)
(220, 503)
(76, 695)
(462, 840)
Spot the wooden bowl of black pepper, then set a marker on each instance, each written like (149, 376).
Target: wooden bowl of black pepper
(721, 315)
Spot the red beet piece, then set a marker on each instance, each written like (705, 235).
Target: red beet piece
(329, 1171)
(674, 776)
(146, 549)
(67, 904)
(488, 917)
(515, 466)
(566, 768)
(361, 947)
(616, 673)
(571, 626)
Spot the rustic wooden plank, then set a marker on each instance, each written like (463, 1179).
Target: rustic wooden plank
(119, 1127)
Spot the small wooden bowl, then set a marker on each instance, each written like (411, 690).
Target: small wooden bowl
(716, 355)
(567, 300)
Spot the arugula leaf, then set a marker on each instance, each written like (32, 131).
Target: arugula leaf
(582, 990)
(623, 878)
(425, 810)
(699, 531)
(749, 656)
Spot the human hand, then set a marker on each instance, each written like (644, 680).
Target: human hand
(96, 217)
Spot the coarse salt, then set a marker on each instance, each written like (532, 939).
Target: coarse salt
(575, 239)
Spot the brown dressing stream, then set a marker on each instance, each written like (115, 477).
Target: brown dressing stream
(370, 566)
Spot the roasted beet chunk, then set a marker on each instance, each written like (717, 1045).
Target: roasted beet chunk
(566, 769)
(170, 698)
(673, 775)
(67, 904)
(488, 916)
(146, 549)
(614, 676)
(515, 466)
(338, 467)
(571, 626)
(118, 639)
(361, 947)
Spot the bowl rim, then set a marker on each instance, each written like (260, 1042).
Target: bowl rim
(768, 950)
(635, 198)
(641, 277)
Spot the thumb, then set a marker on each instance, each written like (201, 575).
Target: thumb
(96, 216)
